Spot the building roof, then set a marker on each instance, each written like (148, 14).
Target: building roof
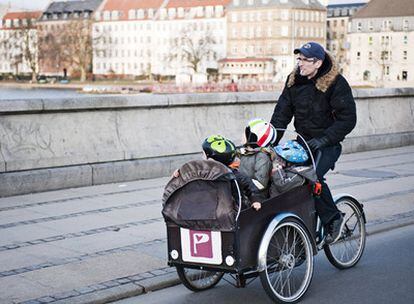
(22, 15)
(386, 8)
(72, 6)
(193, 3)
(346, 5)
(126, 5)
(305, 4)
(248, 59)
(344, 10)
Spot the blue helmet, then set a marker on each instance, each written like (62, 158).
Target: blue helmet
(292, 152)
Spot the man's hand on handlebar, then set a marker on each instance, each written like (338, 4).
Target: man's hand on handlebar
(318, 143)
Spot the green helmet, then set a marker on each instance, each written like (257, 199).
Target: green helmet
(219, 148)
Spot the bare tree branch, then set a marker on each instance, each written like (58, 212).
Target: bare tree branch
(192, 47)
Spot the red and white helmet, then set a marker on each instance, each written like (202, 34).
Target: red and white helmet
(260, 133)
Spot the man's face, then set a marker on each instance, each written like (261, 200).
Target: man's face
(308, 67)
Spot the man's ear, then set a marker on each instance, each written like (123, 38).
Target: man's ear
(318, 63)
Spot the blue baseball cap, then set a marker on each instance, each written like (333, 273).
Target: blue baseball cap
(311, 50)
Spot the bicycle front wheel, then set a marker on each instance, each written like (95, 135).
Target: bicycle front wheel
(289, 263)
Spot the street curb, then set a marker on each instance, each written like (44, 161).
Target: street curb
(105, 296)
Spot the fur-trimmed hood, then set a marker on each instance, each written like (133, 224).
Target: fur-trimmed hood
(325, 77)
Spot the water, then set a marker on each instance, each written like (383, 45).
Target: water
(35, 93)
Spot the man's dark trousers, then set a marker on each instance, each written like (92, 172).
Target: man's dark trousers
(324, 204)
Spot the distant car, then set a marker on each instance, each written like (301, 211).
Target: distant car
(64, 80)
(41, 79)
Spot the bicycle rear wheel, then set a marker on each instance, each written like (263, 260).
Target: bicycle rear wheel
(197, 279)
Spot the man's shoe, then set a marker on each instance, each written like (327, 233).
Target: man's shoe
(335, 229)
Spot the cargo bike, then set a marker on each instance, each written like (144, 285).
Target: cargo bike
(210, 234)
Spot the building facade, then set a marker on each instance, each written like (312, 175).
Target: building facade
(381, 38)
(337, 26)
(65, 38)
(262, 69)
(18, 43)
(159, 38)
(273, 29)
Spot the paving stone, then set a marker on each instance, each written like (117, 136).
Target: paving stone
(158, 272)
(84, 290)
(136, 277)
(123, 280)
(31, 302)
(111, 283)
(65, 295)
(99, 286)
(46, 300)
(146, 275)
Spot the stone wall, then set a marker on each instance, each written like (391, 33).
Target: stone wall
(50, 144)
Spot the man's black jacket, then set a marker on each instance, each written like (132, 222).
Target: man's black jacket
(322, 106)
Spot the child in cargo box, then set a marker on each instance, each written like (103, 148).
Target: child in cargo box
(257, 154)
(223, 150)
(288, 172)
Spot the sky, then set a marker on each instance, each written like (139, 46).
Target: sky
(41, 4)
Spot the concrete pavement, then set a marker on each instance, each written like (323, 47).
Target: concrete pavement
(103, 243)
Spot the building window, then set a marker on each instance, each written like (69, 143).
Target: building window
(234, 33)
(269, 15)
(405, 25)
(234, 17)
(358, 55)
(404, 75)
(359, 26)
(405, 55)
(367, 75)
(371, 26)
(387, 70)
(387, 24)
(370, 55)
(252, 16)
(258, 31)
(284, 31)
(285, 15)
(405, 39)
(370, 40)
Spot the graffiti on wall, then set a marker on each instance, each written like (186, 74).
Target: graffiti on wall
(24, 140)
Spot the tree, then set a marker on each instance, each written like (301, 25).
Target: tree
(72, 46)
(21, 47)
(49, 50)
(191, 47)
(77, 47)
